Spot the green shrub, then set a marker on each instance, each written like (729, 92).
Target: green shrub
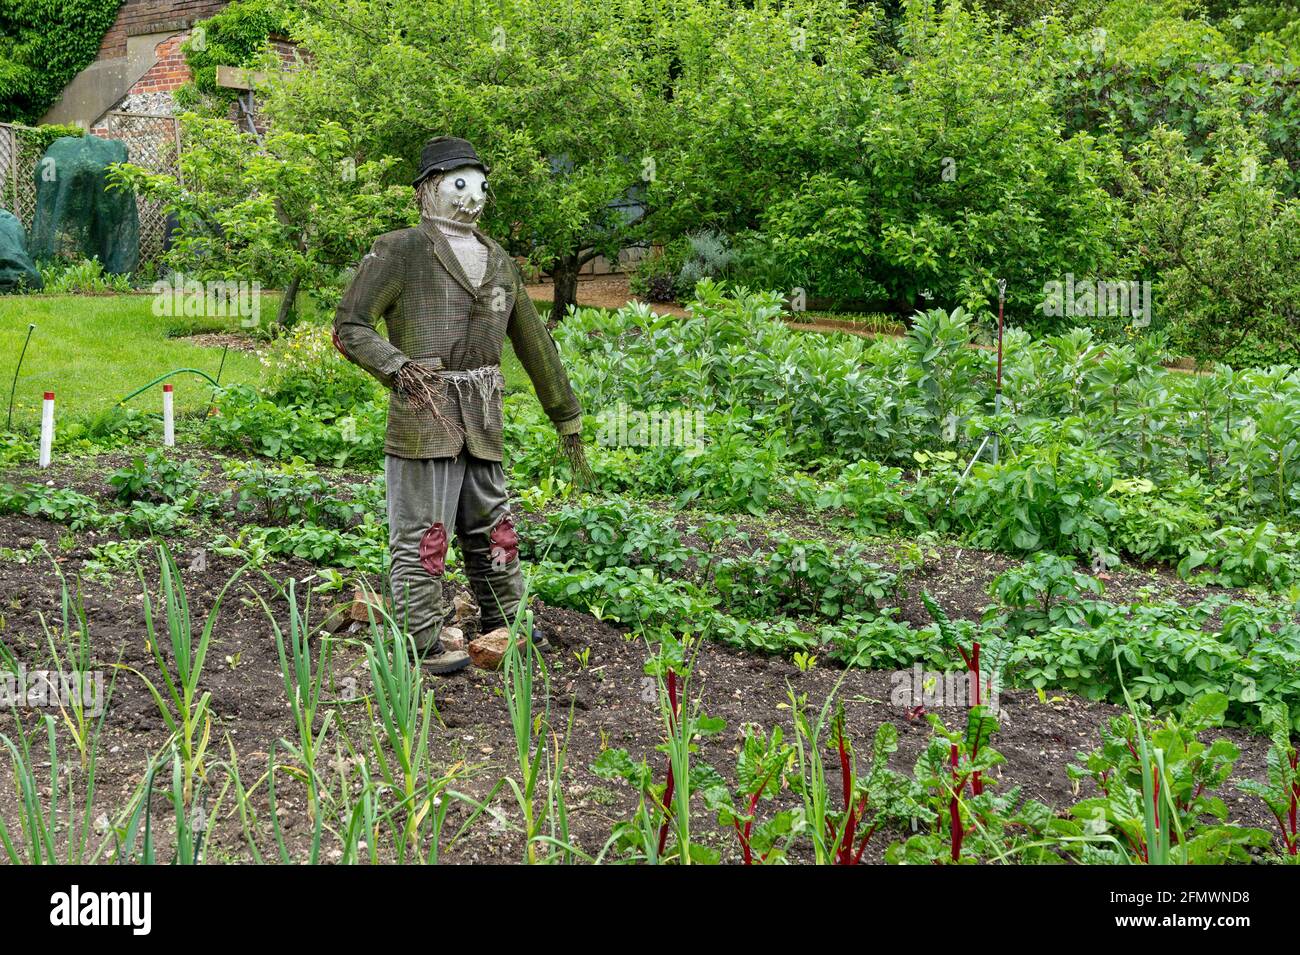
(43, 45)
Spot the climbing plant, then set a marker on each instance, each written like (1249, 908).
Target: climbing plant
(237, 36)
(43, 45)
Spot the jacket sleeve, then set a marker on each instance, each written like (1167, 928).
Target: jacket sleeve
(537, 353)
(376, 285)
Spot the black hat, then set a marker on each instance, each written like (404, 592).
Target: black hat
(443, 153)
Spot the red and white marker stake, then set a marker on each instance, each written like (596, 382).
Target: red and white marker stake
(169, 423)
(47, 428)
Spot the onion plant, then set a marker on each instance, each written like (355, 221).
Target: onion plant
(302, 687)
(540, 753)
(248, 815)
(72, 663)
(837, 835)
(403, 709)
(185, 710)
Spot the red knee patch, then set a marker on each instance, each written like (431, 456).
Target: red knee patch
(433, 550)
(334, 335)
(504, 541)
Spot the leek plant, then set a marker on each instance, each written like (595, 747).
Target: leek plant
(51, 833)
(1157, 798)
(185, 710)
(666, 809)
(538, 791)
(302, 688)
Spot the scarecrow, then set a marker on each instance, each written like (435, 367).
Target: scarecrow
(449, 296)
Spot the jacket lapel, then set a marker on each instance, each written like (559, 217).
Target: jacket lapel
(497, 261)
(445, 255)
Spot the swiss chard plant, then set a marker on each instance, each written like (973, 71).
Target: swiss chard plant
(965, 826)
(1281, 793)
(760, 777)
(1157, 785)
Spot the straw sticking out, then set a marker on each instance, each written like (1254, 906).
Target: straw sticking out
(423, 388)
(571, 448)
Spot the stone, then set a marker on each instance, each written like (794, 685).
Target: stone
(463, 608)
(77, 215)
(337, 617)
(17, 271)
(364, 602)
(452, 638)
(487, 651)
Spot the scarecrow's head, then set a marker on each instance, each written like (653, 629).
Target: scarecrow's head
(452, 181)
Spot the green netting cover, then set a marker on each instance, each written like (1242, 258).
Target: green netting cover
(77, 216)
(16, 268)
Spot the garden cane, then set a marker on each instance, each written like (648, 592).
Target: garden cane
(990, 434)
(997, 396)
(31, 327)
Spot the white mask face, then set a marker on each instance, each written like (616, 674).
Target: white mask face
(459, 194)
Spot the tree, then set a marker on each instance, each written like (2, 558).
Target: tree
(1222, 239)
(885, 172)
(567, 103)
(291, 212)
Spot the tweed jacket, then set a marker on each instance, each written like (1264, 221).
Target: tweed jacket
(412, 280)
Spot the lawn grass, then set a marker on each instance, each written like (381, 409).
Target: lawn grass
(93, 350)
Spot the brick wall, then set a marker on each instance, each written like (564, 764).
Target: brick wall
(152, 93)
(136, 17)
(169, 72)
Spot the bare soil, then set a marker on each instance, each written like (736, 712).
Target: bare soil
(603, 691)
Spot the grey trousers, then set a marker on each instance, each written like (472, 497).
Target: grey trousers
(427, 500)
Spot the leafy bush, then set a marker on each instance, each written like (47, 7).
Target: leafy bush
(246, 422)
(60, 504)
(81, 278)
(43, 45)
(157, 478)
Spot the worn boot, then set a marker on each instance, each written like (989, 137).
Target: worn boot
(437, 656)
(540, 641)
(440, 661)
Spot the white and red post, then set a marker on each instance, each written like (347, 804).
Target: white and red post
(169, 421)
(47, 428)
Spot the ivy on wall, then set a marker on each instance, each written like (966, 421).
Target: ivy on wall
(43, 45)
(237, 36)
